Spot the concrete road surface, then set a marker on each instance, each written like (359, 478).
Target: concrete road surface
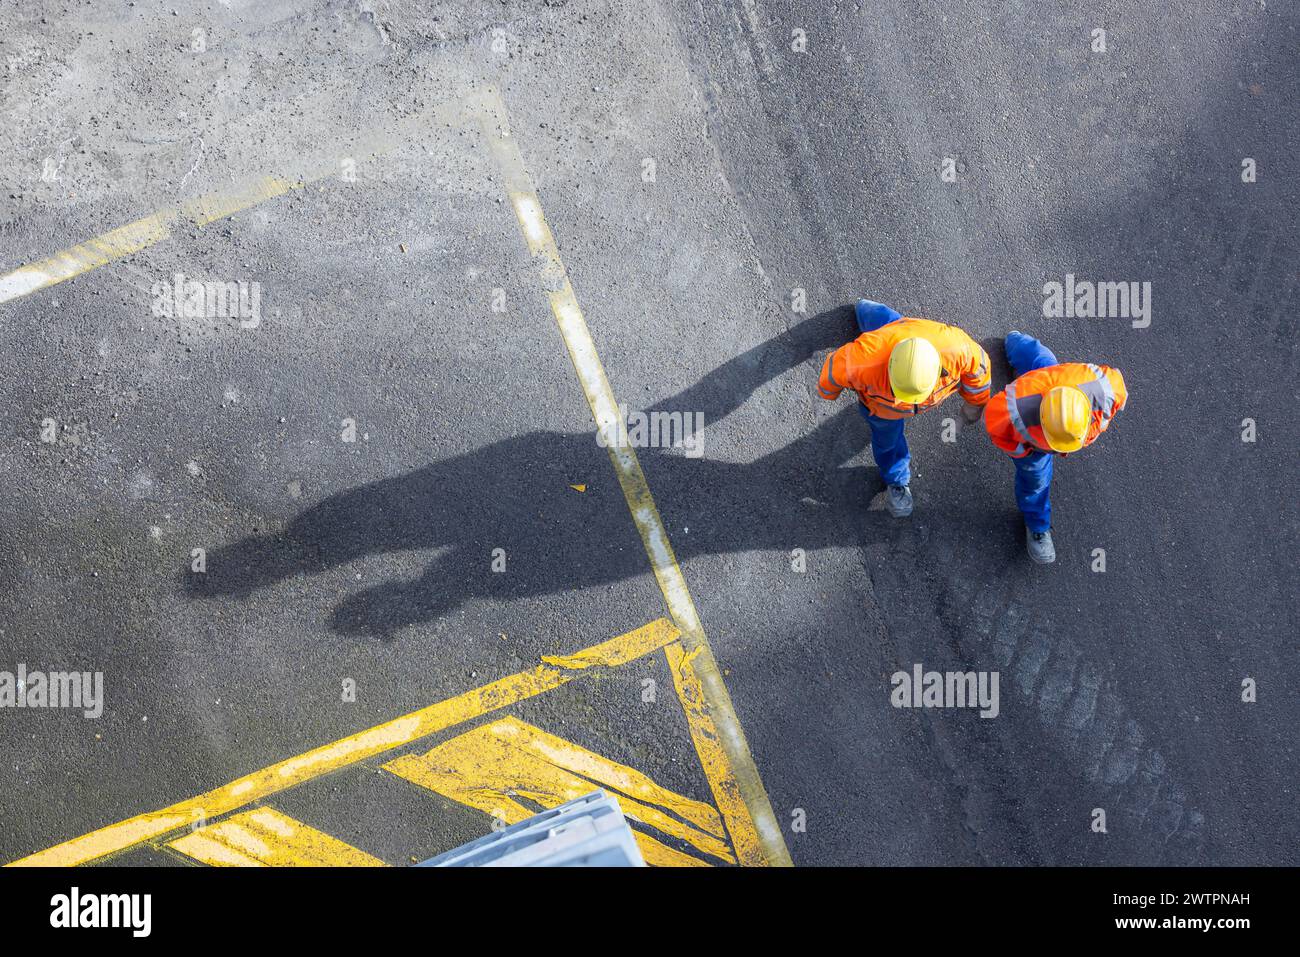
(318, 521)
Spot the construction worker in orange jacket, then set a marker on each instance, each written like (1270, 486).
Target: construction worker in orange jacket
(900, 367)
(1052, 408)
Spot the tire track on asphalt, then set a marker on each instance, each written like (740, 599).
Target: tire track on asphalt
(1053, 694)
(1077, 706)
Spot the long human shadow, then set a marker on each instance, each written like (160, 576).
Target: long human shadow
(515, 495)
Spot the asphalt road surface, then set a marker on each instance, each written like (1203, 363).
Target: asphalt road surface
(723, 180)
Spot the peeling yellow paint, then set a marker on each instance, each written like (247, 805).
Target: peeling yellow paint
(713, 758)
(489, 767)
(266, 838)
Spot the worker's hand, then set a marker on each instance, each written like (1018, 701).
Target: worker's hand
(971, 413)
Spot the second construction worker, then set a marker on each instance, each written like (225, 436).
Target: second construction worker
(899, 368)
(1052, 408)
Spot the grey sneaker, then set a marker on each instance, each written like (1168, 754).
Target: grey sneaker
(898, 499)
(1040, 546)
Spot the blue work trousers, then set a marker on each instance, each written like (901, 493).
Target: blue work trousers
(1033, 471)
(888, 444)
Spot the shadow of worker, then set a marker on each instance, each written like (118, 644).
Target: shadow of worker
(515, 495)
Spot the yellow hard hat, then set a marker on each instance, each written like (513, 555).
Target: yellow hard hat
(913, 369)
(1065, 415)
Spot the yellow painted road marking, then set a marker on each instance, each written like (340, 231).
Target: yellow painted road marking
(266, 838)
(657, 854)
(489, 766)
(750, 821)
(552, 673)
(200, 212)
(708, 745)
(133, 237)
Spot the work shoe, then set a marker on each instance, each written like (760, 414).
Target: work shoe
(1040, 546)
(898, 499)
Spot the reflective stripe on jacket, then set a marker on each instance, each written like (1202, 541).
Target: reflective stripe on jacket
(863, 366)
(1011, 418)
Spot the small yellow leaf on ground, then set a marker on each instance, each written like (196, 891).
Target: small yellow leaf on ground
(578, 488)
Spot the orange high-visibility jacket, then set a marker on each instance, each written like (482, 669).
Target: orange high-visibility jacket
(863, 366)
(1011, 418)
